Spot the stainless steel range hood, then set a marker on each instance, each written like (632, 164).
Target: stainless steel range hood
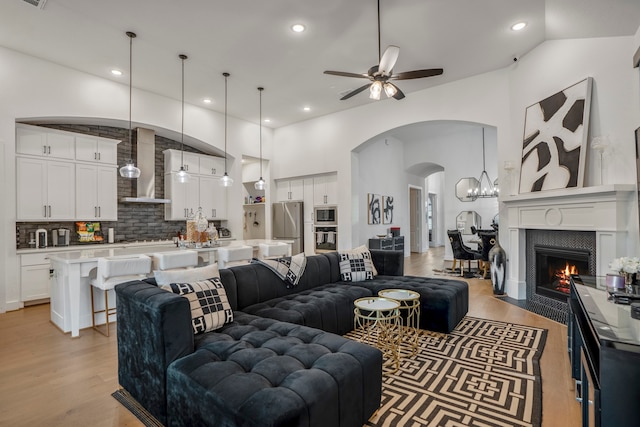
(146, 185)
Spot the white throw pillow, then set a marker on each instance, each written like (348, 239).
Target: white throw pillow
(359, 250)
(186, 276)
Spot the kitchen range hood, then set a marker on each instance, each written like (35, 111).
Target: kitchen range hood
(146, 183)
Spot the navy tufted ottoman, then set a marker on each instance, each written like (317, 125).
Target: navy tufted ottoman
(443, 302)
(263, 372)
(328, 307)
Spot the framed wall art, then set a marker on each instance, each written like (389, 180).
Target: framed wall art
(387, 209)
(374, 209)
(555, 138)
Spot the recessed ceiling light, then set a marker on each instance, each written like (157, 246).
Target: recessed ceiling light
(267, 120)
(518, 26)
(207, 101)
(306, 108)
(116, 72)
(298, 28)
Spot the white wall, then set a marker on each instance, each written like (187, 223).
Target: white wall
(326, 143)
(33, 88)
(496, 99)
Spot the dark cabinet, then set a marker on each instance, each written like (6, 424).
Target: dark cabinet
(388, 243)
(604, 349)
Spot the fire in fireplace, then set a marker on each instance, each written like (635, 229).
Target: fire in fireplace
(554, 265)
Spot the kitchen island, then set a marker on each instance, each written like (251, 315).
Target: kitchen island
(70, 288)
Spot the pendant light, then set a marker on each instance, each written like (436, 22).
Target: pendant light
(183, 176)
(260, 184)
(226, 180)
(130, 170)
(485, 187)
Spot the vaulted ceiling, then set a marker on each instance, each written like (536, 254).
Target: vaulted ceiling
(252, 40)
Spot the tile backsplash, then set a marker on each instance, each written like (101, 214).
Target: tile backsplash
(136, 221)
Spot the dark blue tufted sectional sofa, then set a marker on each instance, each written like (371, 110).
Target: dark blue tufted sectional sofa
(282, 361)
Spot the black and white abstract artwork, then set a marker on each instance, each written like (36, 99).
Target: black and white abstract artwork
(374, 210)
(555, 137)
(387, 210)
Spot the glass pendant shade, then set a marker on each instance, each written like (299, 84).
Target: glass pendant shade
(260, 184)
(129, 170)
(183, 176)
(226, 181)
(390, 90)
(375, 90)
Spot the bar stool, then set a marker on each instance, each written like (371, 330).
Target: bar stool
(112, 271)
(234, 255)
(175, 260)
(273, 250)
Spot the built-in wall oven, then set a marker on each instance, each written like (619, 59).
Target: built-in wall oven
(325, 215)
(326, 238)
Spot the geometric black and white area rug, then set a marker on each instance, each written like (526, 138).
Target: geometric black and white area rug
(484, 373)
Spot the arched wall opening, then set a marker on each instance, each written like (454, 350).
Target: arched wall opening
(431, 156)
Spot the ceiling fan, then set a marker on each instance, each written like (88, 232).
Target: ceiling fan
(381, 74)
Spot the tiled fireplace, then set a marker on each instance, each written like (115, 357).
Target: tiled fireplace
(553, 233)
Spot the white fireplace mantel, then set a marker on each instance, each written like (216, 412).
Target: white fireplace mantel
(602, 209)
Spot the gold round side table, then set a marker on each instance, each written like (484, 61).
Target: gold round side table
(379, 320)
(409, 302)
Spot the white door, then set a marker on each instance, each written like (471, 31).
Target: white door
(61, 191)
(86, 194)
(415, 226)
(31, 189)
(107, 191)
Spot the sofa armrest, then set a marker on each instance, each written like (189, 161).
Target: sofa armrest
(388, 263)
(154, 329)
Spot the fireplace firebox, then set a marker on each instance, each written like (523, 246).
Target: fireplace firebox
(554, 265)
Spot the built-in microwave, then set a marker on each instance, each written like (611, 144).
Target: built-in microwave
(325, 215)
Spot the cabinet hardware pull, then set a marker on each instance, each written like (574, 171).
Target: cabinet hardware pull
(95, 211)
(49, 211)
(213, 171)
(44, 149)
(95, 156)
(99, 212)
(49, 150)
(99, 156)
(45, 210)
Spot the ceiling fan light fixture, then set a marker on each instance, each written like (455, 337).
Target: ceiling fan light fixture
(390, 90)
(375, 90)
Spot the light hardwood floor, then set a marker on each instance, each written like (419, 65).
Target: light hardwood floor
(49, 379)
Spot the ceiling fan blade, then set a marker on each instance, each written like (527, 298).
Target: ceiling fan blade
(345, 74)
(418, 74)
(388, 60)
(355, 92)
(399, 94)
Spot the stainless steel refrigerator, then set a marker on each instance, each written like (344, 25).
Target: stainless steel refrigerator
(288, 224)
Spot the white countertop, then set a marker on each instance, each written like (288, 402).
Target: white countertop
(93, 253)
(99, 246)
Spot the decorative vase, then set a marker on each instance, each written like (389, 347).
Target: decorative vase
(498, 260)
(629, 281)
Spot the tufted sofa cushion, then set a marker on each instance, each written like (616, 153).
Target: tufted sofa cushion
(443, 302)
(262, 372)
(328, 307)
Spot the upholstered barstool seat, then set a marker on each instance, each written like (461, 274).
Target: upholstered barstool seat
(110, 272)
(175, 260)
(234, 255)
(274, 250)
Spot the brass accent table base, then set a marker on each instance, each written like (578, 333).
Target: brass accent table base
(409, 302)
(379, 320)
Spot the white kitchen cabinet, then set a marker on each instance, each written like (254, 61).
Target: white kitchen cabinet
(34, 277)
(289, 189)
(185, 197)
(173, 159)
(39, 141)
(45, 190)
(213, 198)
(210, 165)
(96, 149)
(96, 192)
(325, 190)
